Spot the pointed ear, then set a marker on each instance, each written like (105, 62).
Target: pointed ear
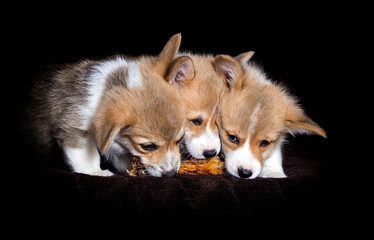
(168, 53)
(110, 118)
(298, 122)
(244, 57)
(229, 68)
(181, 71)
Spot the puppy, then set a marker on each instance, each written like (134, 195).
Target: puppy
(200, 88)
(254, 116)
(118, 107)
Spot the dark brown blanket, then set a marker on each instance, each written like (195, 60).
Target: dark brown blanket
(54, 194)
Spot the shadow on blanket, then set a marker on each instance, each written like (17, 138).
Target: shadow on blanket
(60, 194)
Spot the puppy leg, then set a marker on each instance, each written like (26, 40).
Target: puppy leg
(85, 159)
(272, 167)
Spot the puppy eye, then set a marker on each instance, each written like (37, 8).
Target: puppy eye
(264, 143)
(180, 140)
(197, 121)
(233, 138)
(149, 147)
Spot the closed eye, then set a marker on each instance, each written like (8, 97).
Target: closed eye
(264, 143)
(149, 147)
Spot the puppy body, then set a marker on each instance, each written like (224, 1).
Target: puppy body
(118, 107)
(254, 117)
(200, 93)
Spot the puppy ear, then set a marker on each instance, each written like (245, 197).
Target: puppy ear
(181, 71)
(244, 57)
(168, 53)
(229, 68)
(298, 122)
(111, 117)
(104, 133)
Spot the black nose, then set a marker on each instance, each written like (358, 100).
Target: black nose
(209, 153)
(169, 173)
(244, 173)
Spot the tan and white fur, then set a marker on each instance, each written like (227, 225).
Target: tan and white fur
(118, 107)
(254, 116)
(201, 89)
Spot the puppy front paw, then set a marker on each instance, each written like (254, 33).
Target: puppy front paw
(273, 174)
(104, 173)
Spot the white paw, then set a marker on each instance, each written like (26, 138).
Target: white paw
(275, 174)
(104, 173)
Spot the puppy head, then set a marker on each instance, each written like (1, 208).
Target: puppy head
(254, 116)
(147, 123)
(200, 91)
(145, 116)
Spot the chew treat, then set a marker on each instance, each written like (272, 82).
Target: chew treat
(137, 168)
(212, 166)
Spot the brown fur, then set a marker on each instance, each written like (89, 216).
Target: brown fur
(256, 108)
(202, 93)
(142, 113)
(151, 111)
(49, 120)
(154, 111)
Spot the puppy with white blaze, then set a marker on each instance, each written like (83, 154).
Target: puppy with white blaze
(118, 108)
(201, 88)
(254, 116)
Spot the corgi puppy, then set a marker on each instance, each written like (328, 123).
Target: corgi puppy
(200, 88)
(119, 108)
(254, 116)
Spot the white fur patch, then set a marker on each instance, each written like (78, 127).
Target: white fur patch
(254, 119)
(242, 158)
(273, 165)
(134, 77)
(86, 159)
(96, 88)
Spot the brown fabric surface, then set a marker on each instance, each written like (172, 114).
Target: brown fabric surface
(55, 194)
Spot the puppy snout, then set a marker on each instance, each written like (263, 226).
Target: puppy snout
(170, 173)
(210, 153)
(244, 173)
